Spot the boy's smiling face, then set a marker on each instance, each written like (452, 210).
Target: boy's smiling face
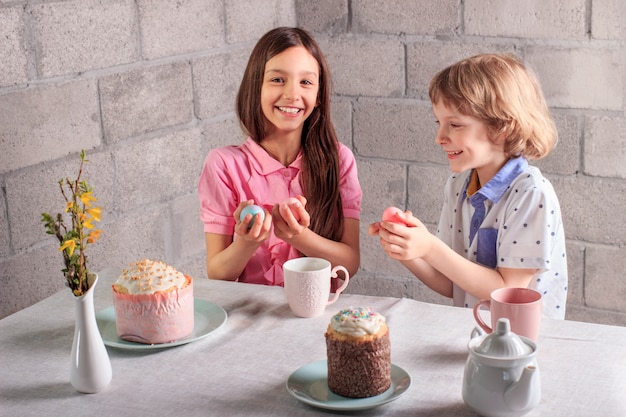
(467, 142)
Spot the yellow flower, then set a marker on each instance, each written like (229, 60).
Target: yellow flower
(69, 206)
(95, 212)
(93, 236)
(87, 224)
(69, 244)
(87, 198)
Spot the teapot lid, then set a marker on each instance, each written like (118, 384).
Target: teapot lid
(503, 343)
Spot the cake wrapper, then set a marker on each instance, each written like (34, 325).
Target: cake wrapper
(155, 318)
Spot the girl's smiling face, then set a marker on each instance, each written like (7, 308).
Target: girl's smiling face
(468, 143)
(289, 90)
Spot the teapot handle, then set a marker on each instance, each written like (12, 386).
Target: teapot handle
(476, 332)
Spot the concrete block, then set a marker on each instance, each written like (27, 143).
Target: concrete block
(146, 100)
(422, 17)
(5, 241)
(49, 122)
(327, 16)
(607, 19)
(592, 208)
(29, 277)
(247, 21)
(399, 286)
(194, 267)
(175, 28)
(605, 286)
(579, 77)
(426, 184)
(373, 284)
(383, 184)
(426, 59)
(32, 192)
(158, 169)
(135, 235)
(341, 114)
(82, 35)
(13, 53)
(605, 149)
(575, 275)
(565, 157)
(186, 231)
(564, 19)
(595, 315)
(216, 81)
(421, 292)
(222, 132)
(396, 129)
(358, 64)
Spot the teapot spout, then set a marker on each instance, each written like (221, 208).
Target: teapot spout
(524, 394)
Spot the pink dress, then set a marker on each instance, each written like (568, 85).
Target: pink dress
(234, 174)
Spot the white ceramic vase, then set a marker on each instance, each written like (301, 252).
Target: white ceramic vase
(90, 370)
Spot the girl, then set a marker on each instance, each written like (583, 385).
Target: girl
(500, 225)
(283, 105)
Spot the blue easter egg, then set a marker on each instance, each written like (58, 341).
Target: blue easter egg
(254, 210)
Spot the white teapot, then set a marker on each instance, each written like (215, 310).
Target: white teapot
(501, 377)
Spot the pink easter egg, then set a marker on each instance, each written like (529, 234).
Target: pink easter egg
(390, 215)
(290, 204)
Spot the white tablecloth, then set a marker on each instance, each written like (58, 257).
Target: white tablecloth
(242, 368)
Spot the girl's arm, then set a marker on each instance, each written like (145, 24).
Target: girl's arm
(228, 257)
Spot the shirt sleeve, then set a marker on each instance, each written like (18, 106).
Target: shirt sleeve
(349, 186)
(531, 228)
(216, 192)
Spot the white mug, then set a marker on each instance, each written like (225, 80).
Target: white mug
(307, 285)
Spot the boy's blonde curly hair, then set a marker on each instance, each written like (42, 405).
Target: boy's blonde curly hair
(502, 92)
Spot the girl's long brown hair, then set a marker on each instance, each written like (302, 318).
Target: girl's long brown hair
(320, 168)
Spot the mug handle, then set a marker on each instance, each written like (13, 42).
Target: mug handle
(333, 274)
(479, 319)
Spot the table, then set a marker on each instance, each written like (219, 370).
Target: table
(242, 368)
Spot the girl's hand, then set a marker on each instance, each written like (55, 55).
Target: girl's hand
(290, 218)
(260, 229)
(404, 243)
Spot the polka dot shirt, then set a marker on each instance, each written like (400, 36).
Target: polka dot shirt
(513, 221)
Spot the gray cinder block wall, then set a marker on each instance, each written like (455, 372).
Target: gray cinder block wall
(147, 88)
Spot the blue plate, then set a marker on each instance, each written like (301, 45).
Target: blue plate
(309, 384)
(207, 318)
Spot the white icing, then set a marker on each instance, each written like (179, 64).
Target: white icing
(357, 322)
(147, 277)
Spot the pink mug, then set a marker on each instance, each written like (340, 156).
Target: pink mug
(522, 306)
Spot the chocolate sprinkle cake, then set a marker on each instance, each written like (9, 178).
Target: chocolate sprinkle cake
(359, 353)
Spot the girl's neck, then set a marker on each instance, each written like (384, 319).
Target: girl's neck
(283, 148)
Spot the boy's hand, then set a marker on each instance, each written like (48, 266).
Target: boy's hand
(404, 243)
